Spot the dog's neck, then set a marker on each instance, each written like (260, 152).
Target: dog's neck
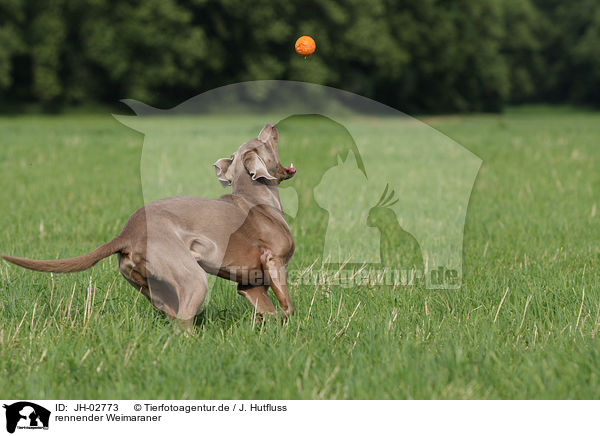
(255, 192)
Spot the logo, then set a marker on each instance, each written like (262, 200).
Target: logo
(377, 192)
(26, 415)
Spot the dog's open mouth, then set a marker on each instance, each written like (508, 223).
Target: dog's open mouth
(291, 170)
(287, 172)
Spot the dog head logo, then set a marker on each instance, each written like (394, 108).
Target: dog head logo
(337, 206)
(26, 415)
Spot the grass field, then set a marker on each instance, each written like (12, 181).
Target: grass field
(523, 325)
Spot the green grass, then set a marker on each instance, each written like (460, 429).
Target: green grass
(70, 182)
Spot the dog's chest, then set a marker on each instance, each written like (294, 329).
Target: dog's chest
(263, 230)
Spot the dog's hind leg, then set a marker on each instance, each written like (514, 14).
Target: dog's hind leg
(171, 279)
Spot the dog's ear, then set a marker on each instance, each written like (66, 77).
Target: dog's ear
(256, 166)
(268, 133)
(222, 167)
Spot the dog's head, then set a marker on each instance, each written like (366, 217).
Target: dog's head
(258, 157)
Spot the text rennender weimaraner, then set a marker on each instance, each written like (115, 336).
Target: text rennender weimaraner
(167, 246)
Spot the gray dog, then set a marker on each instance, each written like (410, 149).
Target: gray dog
(167, 247)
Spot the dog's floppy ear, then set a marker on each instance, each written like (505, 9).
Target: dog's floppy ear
(222, 167)
(256, 166)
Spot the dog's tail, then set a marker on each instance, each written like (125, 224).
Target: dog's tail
(73, 264)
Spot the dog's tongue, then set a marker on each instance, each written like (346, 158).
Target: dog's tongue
(291, 169)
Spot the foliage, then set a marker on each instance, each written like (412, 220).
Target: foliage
(426, 56)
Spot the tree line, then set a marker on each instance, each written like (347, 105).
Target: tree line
(417, 56)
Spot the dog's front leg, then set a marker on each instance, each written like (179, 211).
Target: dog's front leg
(274, 268)
(258, 297)
(186, 325)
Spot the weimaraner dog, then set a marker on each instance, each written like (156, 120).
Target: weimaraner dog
(167, 247)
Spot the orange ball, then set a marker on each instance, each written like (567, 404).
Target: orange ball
(305, 46)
